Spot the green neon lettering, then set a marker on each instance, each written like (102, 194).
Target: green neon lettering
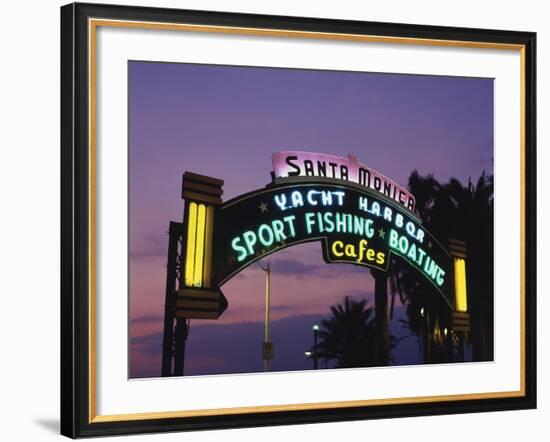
(249, 240)
(412, 252)
(340, 223)
(440, 278)
(433, 270)
(349, 220)
(369, 228)
(262, 231)
(290, 221)
(309, 222)
(403, 244)
(320, 222)
(421, 255)
(430, 267)
(358, 225)
(328, 218)
(239, 249)
(393, 239)
(278, 230)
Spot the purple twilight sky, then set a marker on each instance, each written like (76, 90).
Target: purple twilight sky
(225, 122)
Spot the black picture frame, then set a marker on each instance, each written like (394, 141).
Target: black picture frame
(76, 404)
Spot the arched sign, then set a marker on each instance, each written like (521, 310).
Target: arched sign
(353, 224)
(358, 216)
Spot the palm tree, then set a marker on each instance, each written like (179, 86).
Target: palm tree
(451, 211)
(423, 305)
(348, 336)
(473, 221)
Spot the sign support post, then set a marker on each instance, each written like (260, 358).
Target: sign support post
(190, 267)
(381, 316)
(460, 315)
(172, 278)
(267, 353)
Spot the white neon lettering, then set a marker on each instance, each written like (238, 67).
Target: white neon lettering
(310, 198)
(340, 196)
(297, 199)
(399, 220)
(326, 198)
(280, 200)
(375, 209)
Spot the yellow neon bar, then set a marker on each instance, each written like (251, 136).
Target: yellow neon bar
(191, 236)
(208, 246)
(461, 301)
(199, 244)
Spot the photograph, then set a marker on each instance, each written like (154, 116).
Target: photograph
(276, 220)
(300, 219)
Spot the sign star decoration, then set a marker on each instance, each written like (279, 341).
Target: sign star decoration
(381, 233)
(263, 207)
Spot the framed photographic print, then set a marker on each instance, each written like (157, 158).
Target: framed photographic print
(274, 220)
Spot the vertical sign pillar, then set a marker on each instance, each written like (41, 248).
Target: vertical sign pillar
(381, 316)
(460, 315)
(267, 347)
(199, 296)
(191, 291)
(174, 237)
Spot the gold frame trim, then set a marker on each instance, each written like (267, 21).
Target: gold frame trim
(93, 24)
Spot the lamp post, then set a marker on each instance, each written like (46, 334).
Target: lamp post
(267, 353)
(315, 354)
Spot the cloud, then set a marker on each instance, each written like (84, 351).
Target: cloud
(282, 308)
(291, 267)
(149, 246)
(146, 319)
(359, 294)
(237, 348)
(148, 345)
(301, 270)
(230, 348)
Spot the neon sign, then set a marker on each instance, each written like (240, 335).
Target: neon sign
(288, 164)
(354, 226)
(356, 214)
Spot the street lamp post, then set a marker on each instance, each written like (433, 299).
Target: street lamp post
(267, 345)
(315, 353)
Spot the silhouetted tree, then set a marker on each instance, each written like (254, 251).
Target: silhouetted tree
(451, 211)
(348, 336)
